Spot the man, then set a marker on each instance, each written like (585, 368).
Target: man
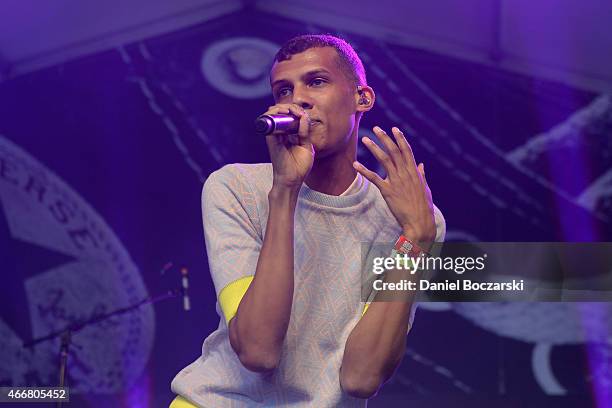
(283, 242)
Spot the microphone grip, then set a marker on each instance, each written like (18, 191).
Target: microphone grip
(276, 125)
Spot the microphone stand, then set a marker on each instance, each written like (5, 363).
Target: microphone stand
(66, 333)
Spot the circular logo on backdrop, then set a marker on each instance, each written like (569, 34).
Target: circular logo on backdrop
(239, 67)
(63, 264)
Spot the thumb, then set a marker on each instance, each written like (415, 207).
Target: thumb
(304, 129)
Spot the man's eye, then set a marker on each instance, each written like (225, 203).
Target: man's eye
(317, 82)
(283, 92)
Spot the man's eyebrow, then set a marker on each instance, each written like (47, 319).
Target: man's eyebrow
(315, 72)
(305, 75)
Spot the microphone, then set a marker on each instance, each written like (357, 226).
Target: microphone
(276, 124)
(185, 286)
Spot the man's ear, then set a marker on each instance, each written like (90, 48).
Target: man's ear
(364, 96)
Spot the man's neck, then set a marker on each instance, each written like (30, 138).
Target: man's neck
(331, 175)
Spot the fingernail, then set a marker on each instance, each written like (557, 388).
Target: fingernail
(377, 129)
(365, 139)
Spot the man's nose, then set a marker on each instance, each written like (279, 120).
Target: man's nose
(302, 99)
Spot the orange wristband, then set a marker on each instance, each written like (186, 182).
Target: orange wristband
(405, 246)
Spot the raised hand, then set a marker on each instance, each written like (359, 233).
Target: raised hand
(405, 188)
(292, 156)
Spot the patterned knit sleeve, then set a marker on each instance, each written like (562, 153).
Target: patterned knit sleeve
(232, 233)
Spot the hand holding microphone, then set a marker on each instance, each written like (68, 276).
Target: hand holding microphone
(291, 150)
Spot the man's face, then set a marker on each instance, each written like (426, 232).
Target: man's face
(313, 80)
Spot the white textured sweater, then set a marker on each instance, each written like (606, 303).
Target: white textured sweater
(327, 301)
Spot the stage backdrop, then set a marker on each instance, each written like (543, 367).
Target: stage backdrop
(102, 161)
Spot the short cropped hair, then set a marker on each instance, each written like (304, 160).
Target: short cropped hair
(348, 60)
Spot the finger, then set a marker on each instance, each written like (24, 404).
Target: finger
(302, 135)
(391, 147)
(296, 110)
(382, 157)
(402, 144)
(282, 108)
(422, 170)
(405, 148)
(278, 111)
(369, 174)
(304, 128)
(277, 141)
(281, 140)
(293, 140)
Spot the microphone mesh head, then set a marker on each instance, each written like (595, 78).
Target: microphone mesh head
(264, 125)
